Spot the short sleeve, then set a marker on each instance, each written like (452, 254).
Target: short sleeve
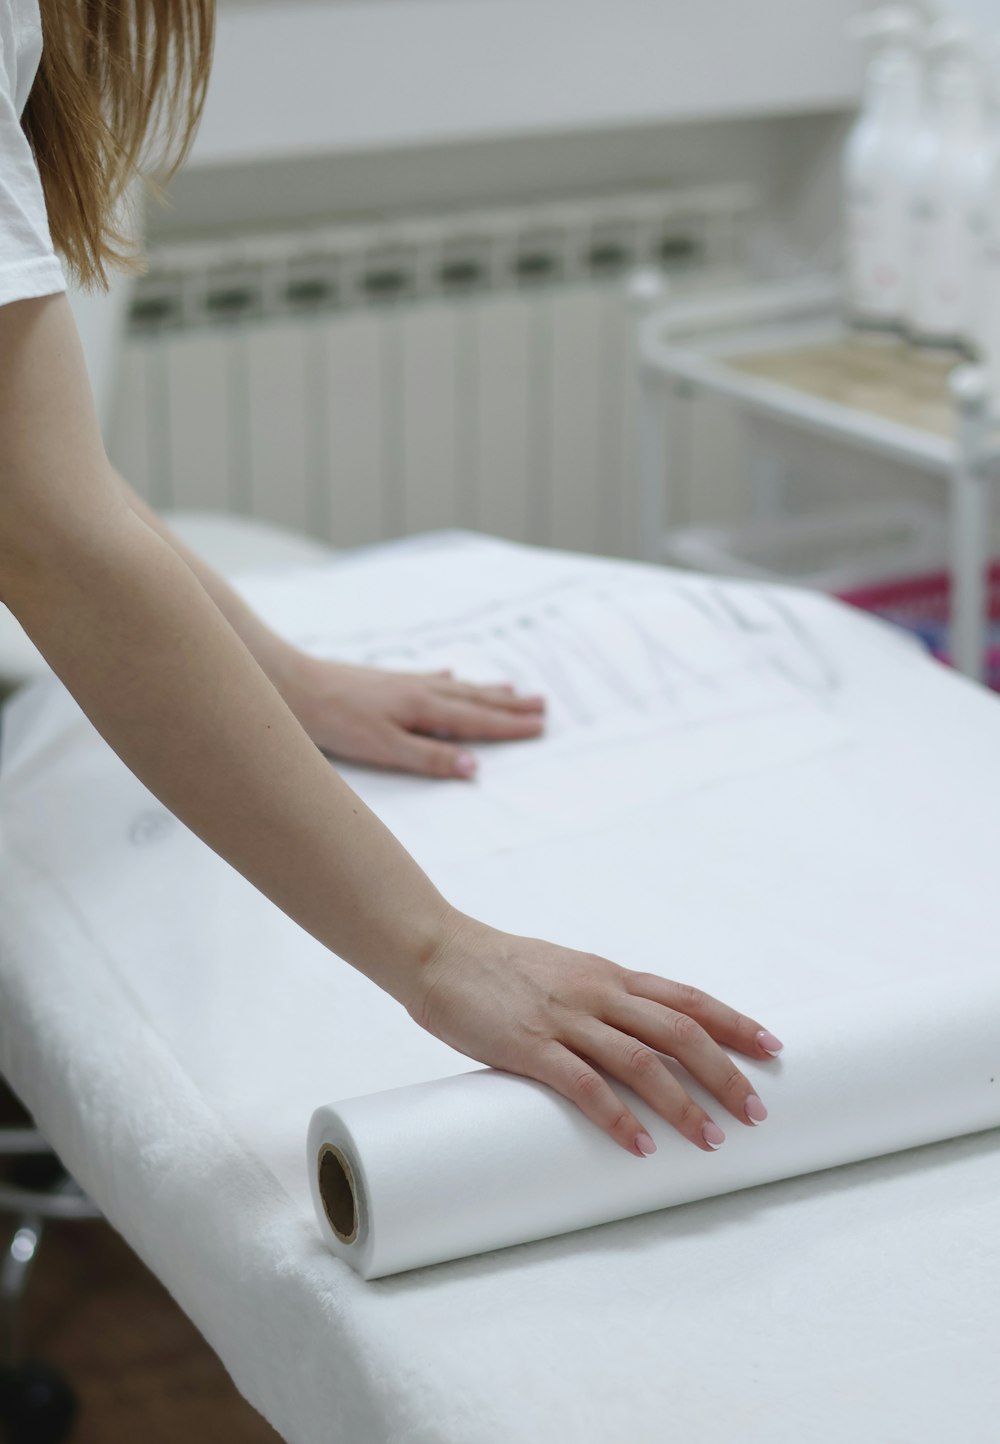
(28, 264)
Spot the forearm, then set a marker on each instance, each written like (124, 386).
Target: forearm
(122, 620)
(281, 662)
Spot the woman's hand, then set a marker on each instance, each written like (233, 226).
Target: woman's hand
(550, 1013)
(414, 722)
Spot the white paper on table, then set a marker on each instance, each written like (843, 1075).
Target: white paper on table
(646, 673)
(796, 835)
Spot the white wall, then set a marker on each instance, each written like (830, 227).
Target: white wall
(355, 75)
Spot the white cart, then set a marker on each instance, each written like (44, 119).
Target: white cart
(784, 351)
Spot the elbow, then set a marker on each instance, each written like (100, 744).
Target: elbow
(48, 539)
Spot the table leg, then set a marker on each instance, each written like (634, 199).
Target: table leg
(970, 525)
(969, 530)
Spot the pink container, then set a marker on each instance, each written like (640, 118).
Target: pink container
(923, 606)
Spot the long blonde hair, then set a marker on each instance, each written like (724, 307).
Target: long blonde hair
(119, 90)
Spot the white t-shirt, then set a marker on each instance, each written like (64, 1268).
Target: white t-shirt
(28, 264)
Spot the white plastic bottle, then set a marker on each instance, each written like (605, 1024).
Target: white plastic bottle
(946, 155)
(874, 170)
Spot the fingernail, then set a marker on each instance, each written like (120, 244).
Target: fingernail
(769, 1042)
(755, 1109)
(645, 1144)
(713, 1135)
(465, 764)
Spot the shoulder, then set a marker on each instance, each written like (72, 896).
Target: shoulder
(28, 264)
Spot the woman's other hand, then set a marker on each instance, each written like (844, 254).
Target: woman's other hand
(409, 721)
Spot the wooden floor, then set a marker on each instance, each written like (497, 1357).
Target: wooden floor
(142, 1372)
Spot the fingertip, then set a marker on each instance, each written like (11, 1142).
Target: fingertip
(514, 698)
(713, 1136)
(754, 1109)
(466, 765)
(629, 1140)
(768, 1043)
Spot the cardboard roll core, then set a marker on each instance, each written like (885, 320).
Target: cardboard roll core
(337, 1190)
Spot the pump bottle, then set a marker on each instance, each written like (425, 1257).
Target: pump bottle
(947, 158)
(875, 168)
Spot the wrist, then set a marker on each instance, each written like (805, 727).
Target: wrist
(402, 962)
(435, 944)
(454, 934)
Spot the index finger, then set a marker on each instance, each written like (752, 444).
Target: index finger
(720, 1021)
(495, 695)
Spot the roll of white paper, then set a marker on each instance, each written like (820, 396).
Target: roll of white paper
(480, 1160)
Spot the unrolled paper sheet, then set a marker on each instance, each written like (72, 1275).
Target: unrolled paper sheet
(744, 787)
(485, 1159)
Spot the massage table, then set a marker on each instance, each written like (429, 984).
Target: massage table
(745, 787)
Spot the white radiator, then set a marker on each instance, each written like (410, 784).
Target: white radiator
(459, 370)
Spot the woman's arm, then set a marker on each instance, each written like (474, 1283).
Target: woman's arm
(365, 714)
(162, 675)
(165, 679)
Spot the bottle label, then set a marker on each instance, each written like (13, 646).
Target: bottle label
(876, 241)
(941, 255)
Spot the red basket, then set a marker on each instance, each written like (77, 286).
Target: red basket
(923, 606)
